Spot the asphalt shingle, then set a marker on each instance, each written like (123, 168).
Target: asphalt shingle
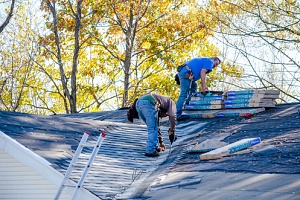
(120, 161)
(121, 170)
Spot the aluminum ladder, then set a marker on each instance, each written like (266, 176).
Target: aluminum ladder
(73, 164)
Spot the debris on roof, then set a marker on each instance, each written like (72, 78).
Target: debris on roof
(265, 150)
(181, 183)
(206, 146)
(243, 112)
(229, 149)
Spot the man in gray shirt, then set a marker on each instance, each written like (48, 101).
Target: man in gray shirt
(151, 107)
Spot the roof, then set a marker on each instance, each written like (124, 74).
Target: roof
(121, 170)
(120, 160)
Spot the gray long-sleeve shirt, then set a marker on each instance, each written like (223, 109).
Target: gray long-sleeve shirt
(167, 107)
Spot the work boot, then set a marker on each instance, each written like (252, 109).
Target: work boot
(154, 154)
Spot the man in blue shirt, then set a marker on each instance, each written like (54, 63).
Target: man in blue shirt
(191, 72)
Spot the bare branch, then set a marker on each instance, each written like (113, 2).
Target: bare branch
(9, 16)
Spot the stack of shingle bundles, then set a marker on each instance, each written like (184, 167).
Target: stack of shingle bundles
(251, 98)
(209, 101)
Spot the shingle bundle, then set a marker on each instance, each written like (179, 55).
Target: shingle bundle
(251, 98)
(233, 99)
(209, 101)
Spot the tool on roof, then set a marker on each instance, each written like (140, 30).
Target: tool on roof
(162, 146)
(172, 136)
(73, 164)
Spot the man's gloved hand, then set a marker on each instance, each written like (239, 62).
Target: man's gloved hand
(172, 136)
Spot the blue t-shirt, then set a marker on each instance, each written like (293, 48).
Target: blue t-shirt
(197, 64)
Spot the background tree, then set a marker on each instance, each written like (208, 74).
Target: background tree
(263, 36)
(99, 55)
(2, 26)
(84, 78)
(9, 15)
(17, 69)
(147, 40)
(68, 91)
(131, 46)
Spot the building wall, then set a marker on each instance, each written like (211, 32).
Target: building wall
(25, 175)
(20, 182)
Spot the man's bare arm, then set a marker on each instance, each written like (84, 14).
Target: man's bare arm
(203, 79)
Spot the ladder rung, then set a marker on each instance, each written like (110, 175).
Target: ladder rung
(88, 145)
(68, 185)
(77, 165)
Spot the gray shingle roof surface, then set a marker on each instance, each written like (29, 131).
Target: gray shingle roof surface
(121, 170)
(120, 160)
(279, 151)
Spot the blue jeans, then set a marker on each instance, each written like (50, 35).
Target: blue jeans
(187, 88)
(149, 115)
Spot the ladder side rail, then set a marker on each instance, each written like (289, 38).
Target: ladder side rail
(89, 164)
(70, 167)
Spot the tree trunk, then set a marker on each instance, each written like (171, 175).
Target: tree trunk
(75, 59)
(127, 61)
